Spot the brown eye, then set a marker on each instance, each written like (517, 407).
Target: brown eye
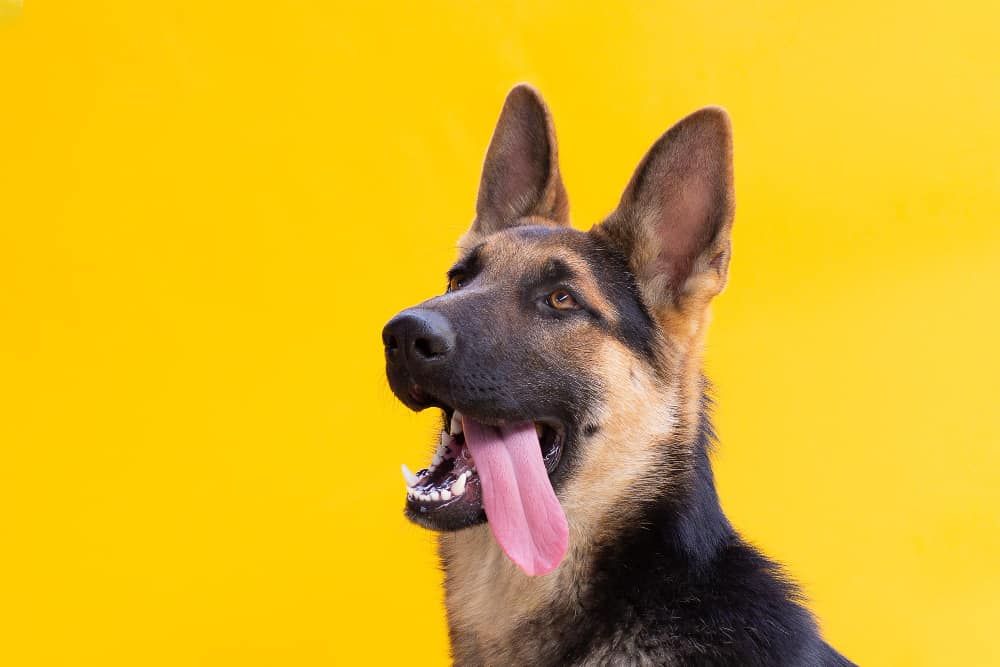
(562, 300)
(456, 282)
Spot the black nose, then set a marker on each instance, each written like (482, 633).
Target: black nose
(419, 337)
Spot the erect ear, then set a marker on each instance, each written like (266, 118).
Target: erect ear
(521, 172)
(674, 219)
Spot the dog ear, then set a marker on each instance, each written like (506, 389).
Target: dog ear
(674, 219)
(521, 172)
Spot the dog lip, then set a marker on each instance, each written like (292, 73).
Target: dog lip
(418, 399)
(418, 396)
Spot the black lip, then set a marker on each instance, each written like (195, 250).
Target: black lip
(418, 398)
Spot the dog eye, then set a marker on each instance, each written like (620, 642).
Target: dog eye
(562, 300)
(456, 282)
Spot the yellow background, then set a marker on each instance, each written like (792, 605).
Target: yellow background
(208, 210)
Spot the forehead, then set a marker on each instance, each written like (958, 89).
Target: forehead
(537, 250)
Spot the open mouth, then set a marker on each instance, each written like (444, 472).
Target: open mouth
(452, 479)
(495, 470)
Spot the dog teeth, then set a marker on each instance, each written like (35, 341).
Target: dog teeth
(411, 479)
(538, 429)
(456, 423)
(458, 488)
(442, 450)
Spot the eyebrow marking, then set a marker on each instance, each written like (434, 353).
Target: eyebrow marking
(469, 263)
(556, 270)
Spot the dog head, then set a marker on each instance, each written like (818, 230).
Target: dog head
(566, 363)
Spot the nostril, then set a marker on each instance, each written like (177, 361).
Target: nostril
(424, 348)
(391, 344)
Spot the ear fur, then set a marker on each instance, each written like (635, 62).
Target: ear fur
(521, 171)
(674, 218)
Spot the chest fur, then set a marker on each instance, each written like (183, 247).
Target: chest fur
(491, 603)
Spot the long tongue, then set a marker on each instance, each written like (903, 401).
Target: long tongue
(524, 513)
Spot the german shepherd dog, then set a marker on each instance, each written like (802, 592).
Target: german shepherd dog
(579, 522)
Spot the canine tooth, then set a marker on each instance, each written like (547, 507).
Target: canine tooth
(435, 496)
(436, 460)
(446, 495)
(456, 423)
(538, 429)
(411, 479)
(458, 488)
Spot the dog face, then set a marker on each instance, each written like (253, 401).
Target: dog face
(514, 339)
(585, 339)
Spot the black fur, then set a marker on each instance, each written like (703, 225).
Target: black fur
(635, 327)
(682, 588)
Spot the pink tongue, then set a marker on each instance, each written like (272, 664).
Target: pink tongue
(526, 518)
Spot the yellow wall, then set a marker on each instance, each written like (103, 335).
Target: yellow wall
(207, 212)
